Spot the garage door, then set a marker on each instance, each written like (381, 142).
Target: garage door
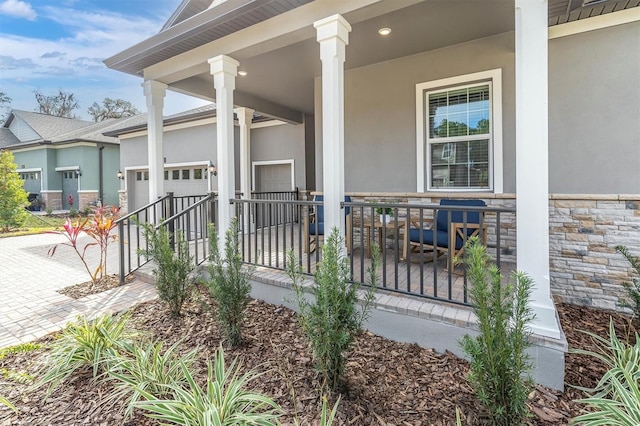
(180, 181)
(32, 182)
(273, 177)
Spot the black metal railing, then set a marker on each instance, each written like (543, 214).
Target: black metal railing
(283, 215)
(192, 223)
(265, 242)
(131, 236)
(424, 266)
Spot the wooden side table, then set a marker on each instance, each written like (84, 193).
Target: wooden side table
(376, 227)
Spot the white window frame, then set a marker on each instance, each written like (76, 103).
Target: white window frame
(494, 77)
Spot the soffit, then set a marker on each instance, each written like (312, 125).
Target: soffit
(202, 28)
(563, 11)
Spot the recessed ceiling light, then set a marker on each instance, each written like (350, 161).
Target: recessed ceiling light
(242, 73)
(384, 31)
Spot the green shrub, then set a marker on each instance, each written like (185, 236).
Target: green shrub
(633, 288)
(86, 345)
(228, 283)
(224, 400)
(13, 197)
(332, 322)
(499, 366)
(616, 398)
(174, 280)
(48, 211)
(147, 369)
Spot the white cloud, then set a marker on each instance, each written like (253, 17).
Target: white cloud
(18, 9)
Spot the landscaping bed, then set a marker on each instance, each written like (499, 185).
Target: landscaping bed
(387, 383)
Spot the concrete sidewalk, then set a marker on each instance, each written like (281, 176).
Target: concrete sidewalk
(30, 306)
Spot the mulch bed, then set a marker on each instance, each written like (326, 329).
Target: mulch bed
(387, 383)
(78, 291)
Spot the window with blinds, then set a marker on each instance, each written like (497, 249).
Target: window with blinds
(458, 136)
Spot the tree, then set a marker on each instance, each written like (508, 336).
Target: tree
(61, 104)
(5, 102)
(13, 197)
(112, 108)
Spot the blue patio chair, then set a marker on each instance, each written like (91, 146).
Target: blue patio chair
(449, 231)
(314, 225)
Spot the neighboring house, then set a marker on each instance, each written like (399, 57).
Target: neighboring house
(278, 159)
(63, 159)
(532, 104)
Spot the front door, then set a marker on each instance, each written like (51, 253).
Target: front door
(69, 190)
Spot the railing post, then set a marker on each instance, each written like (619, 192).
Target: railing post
(121, 249)
(172, 226)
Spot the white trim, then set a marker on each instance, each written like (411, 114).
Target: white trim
(270, 163)
(87, 191)
(496, 161)
(269, 123)
(620, 17)
(58, 146)
(36, 170)
(67, 168)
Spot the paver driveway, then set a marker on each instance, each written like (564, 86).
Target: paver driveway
(30, 306)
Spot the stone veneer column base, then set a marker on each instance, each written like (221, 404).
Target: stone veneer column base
(87, 198)
(123, 202)
(52, 199)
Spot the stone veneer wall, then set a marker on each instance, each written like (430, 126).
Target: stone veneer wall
(86, 199)
(52, 200)
(123, 202)
(585, 268)
(584, 231)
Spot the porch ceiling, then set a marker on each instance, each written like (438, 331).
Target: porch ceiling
(282, 63)
(285, 76)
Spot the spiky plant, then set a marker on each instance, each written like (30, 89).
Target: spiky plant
(224, 400)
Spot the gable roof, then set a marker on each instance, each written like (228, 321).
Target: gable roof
(47, 126)
(56, 130)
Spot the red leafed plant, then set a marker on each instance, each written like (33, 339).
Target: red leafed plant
(98, 227)
(70, 201)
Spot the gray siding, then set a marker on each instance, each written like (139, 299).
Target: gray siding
(594, 112)
(380, 124)
(22, 130)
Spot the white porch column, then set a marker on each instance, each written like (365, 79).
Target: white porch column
(532, 158)
(245, 115)
(155, 91)
(333, 36)
(224, 70)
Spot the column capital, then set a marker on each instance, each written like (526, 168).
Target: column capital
(334, 26)
(223, 64)
(245, 115)
(154, 88)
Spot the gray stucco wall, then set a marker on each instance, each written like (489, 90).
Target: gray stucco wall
(199, 144)
(380, 123)
(594, 112)
(283, 142)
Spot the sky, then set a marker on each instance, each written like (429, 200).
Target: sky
(48, 45)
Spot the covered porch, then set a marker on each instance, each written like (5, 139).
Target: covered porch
(375, 121)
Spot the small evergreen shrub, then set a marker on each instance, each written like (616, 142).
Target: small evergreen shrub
(332, 322)
(633, 288)
(499, 366)
(13, 197)
(86, 345)
(174, 280)
(229, 284)
(616, 398)
(224, 400)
